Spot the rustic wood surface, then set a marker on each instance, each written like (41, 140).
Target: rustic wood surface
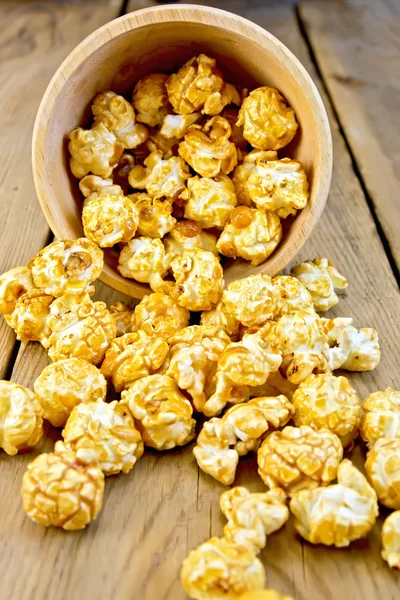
(165, 507)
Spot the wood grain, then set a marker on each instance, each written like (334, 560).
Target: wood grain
(356, 44)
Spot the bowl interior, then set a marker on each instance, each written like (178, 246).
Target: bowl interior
(163, 47)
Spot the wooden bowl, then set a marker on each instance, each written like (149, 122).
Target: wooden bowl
(158, 39)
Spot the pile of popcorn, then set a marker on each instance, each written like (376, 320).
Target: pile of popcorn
(185, 172)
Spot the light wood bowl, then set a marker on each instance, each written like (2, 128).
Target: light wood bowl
(162, 39)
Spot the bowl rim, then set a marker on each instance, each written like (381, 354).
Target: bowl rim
(202, 15)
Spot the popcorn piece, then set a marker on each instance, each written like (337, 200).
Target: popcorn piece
(326, 401)
(150, 99)
(251, 234)
(14, 284)
(29, 317)
(132, 356)
(220, 569)
(160, 177)
(278, 185)
(188, 234)
(144, 259)
(168, 146)
(209, 201)
(163, 413)
(231, 115)
(109, 430)
(220, 317)
(123, 316)
(299, 458)
(63, 488)
(380, 416)
(337, 514)
(119, 118)
(79, 328)
(321, 279)
(93, 186)
(95, 150)
(383, 470)
(176, 126)
(21, 423)
(350, 348)
(264, 595)
(155, 215)
(159, 314)
(66, 383)
(109, 219)
(197, 85)
(291, 296)
(242, 173)
(268, 123)
(300, 339)
(251, 517)
(67, 267)
(208, 150)
(391, 540)
(239, 431)
(199, 279)
(217, 101)
(252, 300)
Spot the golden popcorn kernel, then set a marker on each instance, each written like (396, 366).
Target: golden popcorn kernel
(14, 284)
(95, 150)
(268, 123)
(163, 413)
(350, 348)
(155, 215)
(109, 219)
(220, 569)
(214, 451)
(150, 99)
(67, 267)
(108, 429)
(63, 488)
(391, 540)
(93, 186)
(380, 416)
(383, 470)
(321, 279)
(209, 201)
(29, 316)
(119, 118)
(66, 383)
(145, 260)
(160, 177)
(159, 314)
(292, 296)
(21, 423)
(338, 514)
(188, 234)
(123, 316)
(242, 173)
(176, 126)
(241, 217)
(251, 300)
(299, 458)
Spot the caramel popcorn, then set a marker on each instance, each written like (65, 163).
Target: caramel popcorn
(93, 186)
(350, 348)
(383, 470)
(119, 118)
(132, 356)
(168, 146)
(29, 316)
(321, 279)
(109, 430)
(268, 123)
(14, 284)
(163, 413)
(242, 173)
(264, 595)
(300, 339)
(79, 328)
(329, 402)
(150, 99)
(145, 260)
(291, 296)
(123, 316)
(109, 219)
(176, 126)
(188, 234)
(251, 517)
(221, 569)
(220, 317)
(337, 514)
(155, 215)
(21, 423)
(252, 300)
(250, 234)
(66, 383)
(209, 201)
(380, 416)
(278, 185)
(95, 150)
(63, 488)
(160, 177)
(299, 458)
(391, 540)
(67, 267)
(208, 149)
(159, 314)
(240, 430)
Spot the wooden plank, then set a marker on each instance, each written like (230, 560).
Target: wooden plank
(356, 45)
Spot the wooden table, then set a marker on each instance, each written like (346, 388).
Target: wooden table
(165, 507)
